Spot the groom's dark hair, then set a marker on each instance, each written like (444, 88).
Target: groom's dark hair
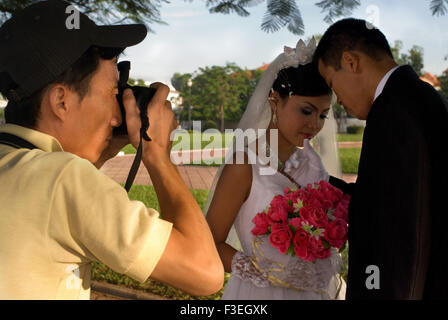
(351, 34)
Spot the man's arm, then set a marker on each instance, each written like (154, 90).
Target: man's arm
(190, 261)
(345, 187)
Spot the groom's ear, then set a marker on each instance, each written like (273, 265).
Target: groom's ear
(350, 61)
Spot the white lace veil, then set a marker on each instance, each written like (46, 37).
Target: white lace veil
(258, 115)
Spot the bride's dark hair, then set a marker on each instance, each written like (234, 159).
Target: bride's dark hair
(304, 80)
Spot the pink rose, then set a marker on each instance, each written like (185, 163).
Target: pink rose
(280, 237)
(315, 216)
(278, 210)
(261, 222)
(317, 248)
(336, 233)
(300, 241)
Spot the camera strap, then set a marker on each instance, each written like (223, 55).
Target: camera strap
(138, 156)
(15, 141)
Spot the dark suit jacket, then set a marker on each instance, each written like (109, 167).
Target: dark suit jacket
(399, 208)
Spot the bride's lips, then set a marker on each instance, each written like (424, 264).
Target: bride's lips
(307, 135)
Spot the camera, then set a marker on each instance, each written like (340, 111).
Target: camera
(142, 96)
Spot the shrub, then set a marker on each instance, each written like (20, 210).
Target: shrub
(355, 129)
(210, 124)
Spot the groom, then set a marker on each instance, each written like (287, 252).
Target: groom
(398, 215)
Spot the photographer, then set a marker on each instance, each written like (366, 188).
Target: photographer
(58, 211)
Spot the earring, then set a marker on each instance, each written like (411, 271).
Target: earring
(274, 117)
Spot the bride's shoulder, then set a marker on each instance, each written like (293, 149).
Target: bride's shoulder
(238, 162)
(237, 176)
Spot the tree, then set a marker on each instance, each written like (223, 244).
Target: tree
(217, 93)
(414, 57)
(102, 11)
(444, 84)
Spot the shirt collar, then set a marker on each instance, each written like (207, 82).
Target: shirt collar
(41, 140)
(382, 84)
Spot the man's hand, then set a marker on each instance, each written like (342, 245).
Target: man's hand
(161, 120)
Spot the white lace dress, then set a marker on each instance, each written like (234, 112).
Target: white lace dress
(290, 277)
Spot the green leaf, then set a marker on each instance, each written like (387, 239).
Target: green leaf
(343, 247)
(291, 251)
(326, 244)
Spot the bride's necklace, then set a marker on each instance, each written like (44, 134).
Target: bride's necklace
(281, 165)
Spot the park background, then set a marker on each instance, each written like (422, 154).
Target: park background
(212, 53)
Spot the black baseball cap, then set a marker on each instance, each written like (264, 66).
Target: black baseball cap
(43, 40)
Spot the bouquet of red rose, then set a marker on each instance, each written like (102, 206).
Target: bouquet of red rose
(306, 222)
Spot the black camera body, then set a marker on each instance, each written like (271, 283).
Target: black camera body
(142, 96)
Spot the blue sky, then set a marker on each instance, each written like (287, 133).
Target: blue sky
(195, 38)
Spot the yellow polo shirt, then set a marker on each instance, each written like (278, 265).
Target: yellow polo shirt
(58, 213)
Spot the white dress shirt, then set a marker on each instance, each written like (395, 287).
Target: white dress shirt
(383, 82)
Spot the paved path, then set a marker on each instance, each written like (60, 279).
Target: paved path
(195, 177)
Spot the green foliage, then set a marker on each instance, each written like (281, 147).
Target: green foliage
(438, 7)
(337, 8)
(279, 13)
(414, 57)
(217, 93)
(137, 82)
(180, 81)
(102, 11)
(338, 110)
(282, 13)
(444, 84)
(355, 129)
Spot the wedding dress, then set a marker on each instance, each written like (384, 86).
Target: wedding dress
(285, 277)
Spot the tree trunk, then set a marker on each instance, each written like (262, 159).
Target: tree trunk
(221, 115)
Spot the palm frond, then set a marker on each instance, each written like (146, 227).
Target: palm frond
(281, 13)
(337, 8)
(438, 7)
(296, 25)
(229, 6)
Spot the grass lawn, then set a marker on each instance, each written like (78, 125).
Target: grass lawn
(349, 159)
(349, 137)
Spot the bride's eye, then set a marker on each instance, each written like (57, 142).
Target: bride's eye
(324, 116)
(306, 111)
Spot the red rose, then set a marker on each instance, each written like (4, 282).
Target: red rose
(336, 233)
(341, 211)
(278, 210)
(317, 248)
(315, 216)
(296, 222)
(300, 241)
(261, 222)
(280, 237)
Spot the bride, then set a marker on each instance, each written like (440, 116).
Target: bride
(293, 101)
